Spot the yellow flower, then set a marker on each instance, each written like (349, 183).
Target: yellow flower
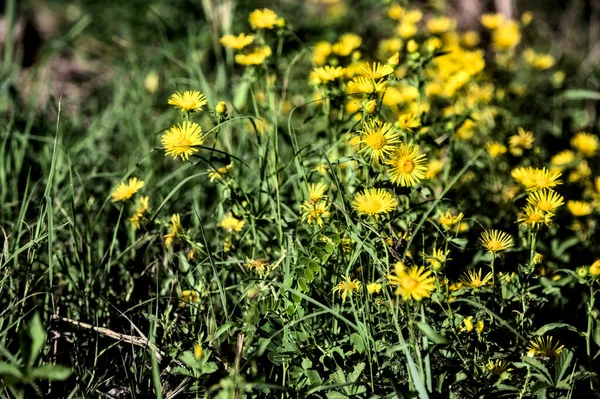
(189, 296)
(495, 149)
(321, 52)
(546, 200)
(188, 101)
(581, 173)
(363, 85)
(536, 179)
(468, 324)
(585, 143)
(412, 46)
(321, 168)
(473, 279)
(314, 212)
(579, 208)
(582, 271)
(406, 30)
(369, 107)
(498, 367)
(237, 42)
(174, 230)
(492, 21)
(434, 167)
(180, 140)
(496, 240)
(519, 142)
(126, 190)
(374, 288)
(562, 159)
(396, 12)
(374, 202)
(379, 139)
(141, 209)
(221, 108)
(198, 352)
(409, 121)
(412, 16)
(437, 259)
(347, 287)
(347, 44)
(447, 220)
(506, 36)
(415, 282)
(263, 19)
(231, 224)
(219, 173)
(323, 75)
(375, 71)
(408, 165)
(440, 25)
(316, 191)
(595, 269)
(479, 326)
(526, 17)
(259, 266)
(544, 348)
(257, 57)
(533, 217)
(470, 38)
(151, 81)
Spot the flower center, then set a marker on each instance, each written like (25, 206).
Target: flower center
(376, 141)
(372, 206)
(408, 166)
(184, 143)
(410, 283)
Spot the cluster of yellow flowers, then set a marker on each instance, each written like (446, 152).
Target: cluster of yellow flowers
(253, 50)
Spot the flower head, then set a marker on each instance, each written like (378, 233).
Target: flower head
(375, 70)
(379, 139)
(237, 42)
(579, 208)
(316, 191)
(325, 74)
(263, 19)
(412, 283)
(347, 287)
(188, 101)
(546, 200)
(595, 269)
(347, 44)
(259, 266)
(496, 240)
(315, 212)
(219, 173)
(374, 202)
(174, 230)
(140, 211)
(474, 280)
(257, 57)
(533, 217)
(498, 367)
(536, 179)
(544, 348)
(520, 141)
(447, 220)
(506, 36)
(437, 259)
(189, 296)
(231, 224)
(363, 85)
(126, 190)
(495, 149)
(585, 143)
(408, 165)
(374, 288)
(180, 140)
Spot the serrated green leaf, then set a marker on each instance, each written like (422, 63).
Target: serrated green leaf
(357, 342)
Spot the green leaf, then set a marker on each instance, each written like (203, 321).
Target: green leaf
(552, 326)
(430, 333)
(7, 369)
(33, 340)
(335, 395)
(581, 94)
(358, 343)
(562, 364)
(51, 372)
